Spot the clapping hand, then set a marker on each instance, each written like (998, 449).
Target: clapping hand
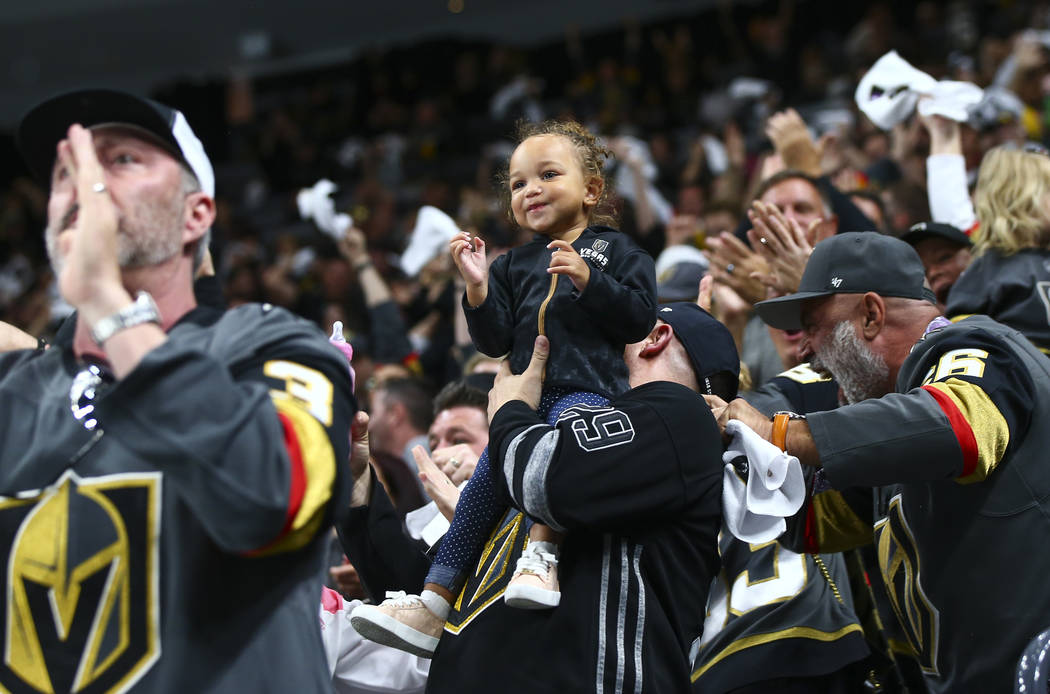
(782, 243)
(89, 275)
(436, 483)
(735, 265)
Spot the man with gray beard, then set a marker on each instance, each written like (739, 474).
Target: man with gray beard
(161, 460)
(943, 434)
(860, 371)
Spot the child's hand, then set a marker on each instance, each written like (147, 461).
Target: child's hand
(469, 256)
(566, 261)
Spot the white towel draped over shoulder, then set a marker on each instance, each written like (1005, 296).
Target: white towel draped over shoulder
(754, 509)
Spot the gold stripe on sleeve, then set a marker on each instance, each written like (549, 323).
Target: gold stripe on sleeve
(990, 429)
(318, 459)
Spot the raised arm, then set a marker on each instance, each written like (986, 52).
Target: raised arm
(250, 435)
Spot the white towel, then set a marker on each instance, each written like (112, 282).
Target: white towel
(426, 523)
(889, 91)
(754, 510)
(433, 230)
(315, 203)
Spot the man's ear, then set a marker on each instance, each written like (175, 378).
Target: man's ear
(199, 215)
(657, 340)
(873, 308)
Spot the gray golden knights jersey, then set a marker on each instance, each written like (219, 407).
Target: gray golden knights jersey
(1014, 290)
(773, 613)
(164, 533)
(957, 458)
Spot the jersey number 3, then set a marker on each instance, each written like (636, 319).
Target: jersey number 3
(308, 386)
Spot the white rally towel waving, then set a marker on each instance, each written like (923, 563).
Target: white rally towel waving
(889, 91)
(316, 203)
(430, 237)
(754, 509)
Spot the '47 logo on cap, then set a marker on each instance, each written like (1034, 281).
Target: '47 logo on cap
(836, 281)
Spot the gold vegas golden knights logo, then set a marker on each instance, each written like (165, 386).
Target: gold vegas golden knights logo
(488, 581)
(901, 570)
(79, 609)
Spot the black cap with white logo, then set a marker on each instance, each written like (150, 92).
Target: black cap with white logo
(851, 263)
(46, 124)
(707, 342)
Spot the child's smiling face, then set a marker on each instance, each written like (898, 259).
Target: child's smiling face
(548, 191)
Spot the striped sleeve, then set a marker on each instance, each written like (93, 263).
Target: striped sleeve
(312, 468)
(985, 394)
(304, 405)
(979, 427)
(525, 466)
(957, 423)
(250, 445)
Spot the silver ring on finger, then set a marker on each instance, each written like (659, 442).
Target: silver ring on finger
(763, 241)
(98, 187)
(730, 268)
(454, 462)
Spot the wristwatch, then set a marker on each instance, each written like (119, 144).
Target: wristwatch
(780, 427)
(142, 310)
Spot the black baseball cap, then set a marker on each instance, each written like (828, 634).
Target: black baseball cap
(44, 126)
(928, 230)
(851, 263)
(708, 343)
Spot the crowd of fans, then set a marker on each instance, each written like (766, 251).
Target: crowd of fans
(737, 146)
(684, 105)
